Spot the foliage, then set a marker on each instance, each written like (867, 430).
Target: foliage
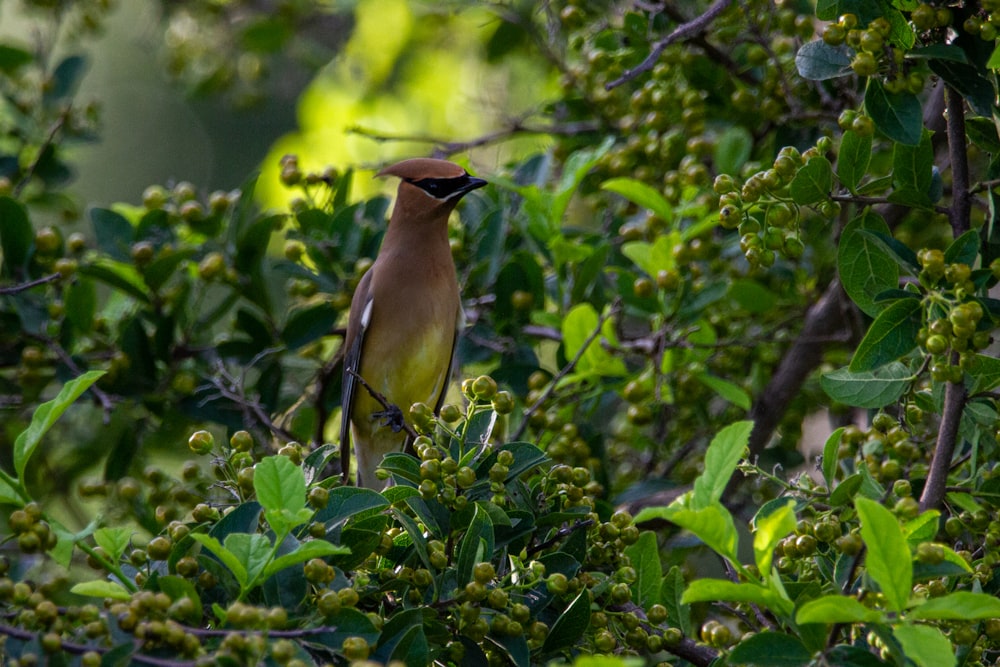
(739, 223)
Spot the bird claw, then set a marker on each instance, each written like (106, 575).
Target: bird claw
(392, 417)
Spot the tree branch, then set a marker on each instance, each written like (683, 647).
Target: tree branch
(825, 316)
(444, 148)
(955, 392)
(21, 287)
(563, 372)
(683, 31)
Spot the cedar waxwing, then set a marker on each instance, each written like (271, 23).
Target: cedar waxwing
(404, 315)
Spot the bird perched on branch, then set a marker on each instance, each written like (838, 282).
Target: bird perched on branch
(404, 316)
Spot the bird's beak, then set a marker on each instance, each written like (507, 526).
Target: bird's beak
(471, 184)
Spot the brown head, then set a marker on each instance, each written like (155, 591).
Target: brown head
(430, 185)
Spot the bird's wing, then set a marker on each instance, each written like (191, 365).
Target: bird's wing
(451, 365)
(361, 309)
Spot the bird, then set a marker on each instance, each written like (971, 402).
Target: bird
(404, 318)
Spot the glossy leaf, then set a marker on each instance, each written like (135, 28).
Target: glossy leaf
(817, 60)
(713, 524)
(726, 390)
(46, 415)
(16, 235)
(888, 560)
(899, 116)
(813, 182)
(101, 589)
(829, 461)
(866, 268)
(770, 649)
(641, 195)
(721, 458)
(926, 646)
(869, 389)
(732, 149)
(768, 531)
(836, 609)
(891, 336)
(577, 329)
(570, 625)
(723, 590)
(645, 558)
(957, 606)
(853, 159)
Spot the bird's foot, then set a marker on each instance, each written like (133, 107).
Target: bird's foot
(392, 417)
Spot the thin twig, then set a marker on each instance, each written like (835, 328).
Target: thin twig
(384, 402)
(21, 287)
(50, 139)
(107, 404)
(563, 372)
(683, 31)
(445, 148)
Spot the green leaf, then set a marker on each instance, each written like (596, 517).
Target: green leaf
(829, 461)
(958, 606)
(964, 249)
(570, 625)
(899, 116)
(732, 149)
(836, 609)
(46, 415)
(12, 59)
(122, 277)
(653, 257)
(279, 484)
(853, 159)
(813, 182)
(912, 166)
(65, 78)
(305, 551)
(891, 336)
(81, 304)
(101, 589)
(9, 492)
(922, 528)
(113, 232)
(723, 590)
(969, 80)
(888, 560)
(983, 133)
(671, 592)
(869, 389)
(228, 558)
(476, 546)
(752, 296)
(770, 649)
(768, 531)
(866, 267)
(721, 458)
(713, 525)
(308, 324)
(926, 646)
(642, 196)
(818, 61)
(984, 371)
(578, 326)
(16, 235)
(726, 390)
(938, 52)
(113, 540)
(253, 551)
(644, 555)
